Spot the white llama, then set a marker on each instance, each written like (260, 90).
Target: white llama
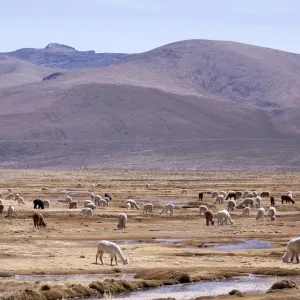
(113, 249)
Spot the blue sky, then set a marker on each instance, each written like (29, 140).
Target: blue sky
(140, 25)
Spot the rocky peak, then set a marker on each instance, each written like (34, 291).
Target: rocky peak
(59, 47)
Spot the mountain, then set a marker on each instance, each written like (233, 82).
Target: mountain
(61, 56)
(191, 104)
(264, 78)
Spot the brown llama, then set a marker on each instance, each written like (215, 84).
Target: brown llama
(231, 195)
(79, 185)
(1, 208)
(200, 196)
(38, 220)
(73, 204)
(287, 199)
(272, 201)
(209, 217)
(265, 194)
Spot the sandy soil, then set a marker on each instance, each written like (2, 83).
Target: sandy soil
(68, 244)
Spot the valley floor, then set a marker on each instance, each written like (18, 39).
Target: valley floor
(155, 244)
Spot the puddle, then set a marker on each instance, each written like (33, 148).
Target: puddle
(247, 284)
(74, 277)
(249, 244)
(74, 191)
(170, 241)
(192, 209)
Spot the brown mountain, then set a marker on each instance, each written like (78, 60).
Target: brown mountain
(15, 71)
(190, 104)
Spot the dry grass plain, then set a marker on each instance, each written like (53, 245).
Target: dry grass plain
(68, 244)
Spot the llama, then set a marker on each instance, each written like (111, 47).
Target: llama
(79, 185)
(231, 205)
(91, 206)
(113, 249)
(38, 220)
(106, 195)
(209, 218)
(107, 199)
(128, 206)
(47, 203)
(238, 195)
(246, 211)
(37, 203)
(168, 208)
(287, 199)
(96, 199)
(272, 201)
(265, 194)
(73, 204)
(257, 201)
(260, 214)
(9, 190)
(231, 195)
(86, 202)
(1, 208)
(245, 194)
(10, 211)
(103, 203)
(249, 195)
(10, 196)
(200, 196)
(21, 200)
(203, 208)
(148, 207)
(292, 250)
(214, 194)
(17, 196)
(224, 216)
(132, 203)
(272, 212)
(184, 192)
(219, 199)
(86, 211)
(247, 202)
(68, 199)
(122, 220)
(223, 193)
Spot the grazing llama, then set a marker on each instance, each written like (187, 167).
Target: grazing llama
(113, 249)
(169, 209)
(122, 220)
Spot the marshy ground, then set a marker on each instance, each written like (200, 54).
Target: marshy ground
(158, 246)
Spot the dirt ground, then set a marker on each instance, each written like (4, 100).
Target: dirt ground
(69, 242)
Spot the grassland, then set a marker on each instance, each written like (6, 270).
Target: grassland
(68, 244)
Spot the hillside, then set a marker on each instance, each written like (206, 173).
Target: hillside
(191, 104)
(250, 75)
(16, 72)
(60, 56)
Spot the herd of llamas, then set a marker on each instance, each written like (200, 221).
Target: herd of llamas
(247, 200)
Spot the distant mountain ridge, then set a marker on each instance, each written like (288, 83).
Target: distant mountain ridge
(60, 56)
